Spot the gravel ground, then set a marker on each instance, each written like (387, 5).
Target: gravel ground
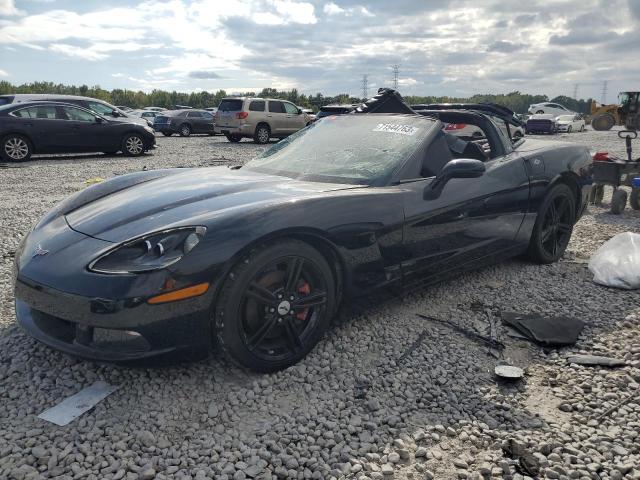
(386, 394)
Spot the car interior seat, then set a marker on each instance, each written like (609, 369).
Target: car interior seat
(464, 149)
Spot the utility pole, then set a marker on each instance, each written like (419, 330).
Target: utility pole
(575, 91)
(365, 86)
(603, 99)
(396, 73)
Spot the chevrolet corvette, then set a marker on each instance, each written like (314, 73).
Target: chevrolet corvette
(256, 260)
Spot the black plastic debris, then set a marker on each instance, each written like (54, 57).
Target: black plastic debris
(596, 360)
(527, 463)
(547, 331)
(387, 100)
(491, 342)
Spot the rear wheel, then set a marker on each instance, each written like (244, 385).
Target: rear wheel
(634, 199)
(618, 201)
(185, 130)
(16, 148)
(133, 145)
(275, 305)
(262, 134)
(233, 138)
(554, 225)
(167, 134)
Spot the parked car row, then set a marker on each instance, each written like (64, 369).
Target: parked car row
(548, 123)
(184, 122)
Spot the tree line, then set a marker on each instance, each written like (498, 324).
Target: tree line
(516, 101)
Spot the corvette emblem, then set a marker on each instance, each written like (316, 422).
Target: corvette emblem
(39, 252)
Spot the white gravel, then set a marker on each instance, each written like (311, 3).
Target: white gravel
(369, 402)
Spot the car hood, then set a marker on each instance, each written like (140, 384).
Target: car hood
(188, 197)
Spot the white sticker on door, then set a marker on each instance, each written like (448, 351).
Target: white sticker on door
(395, 128)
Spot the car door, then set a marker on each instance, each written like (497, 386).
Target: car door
(43, 126)
(195, 119)
(276, 116)
(86, 131)
(295, 120)
(472, 221)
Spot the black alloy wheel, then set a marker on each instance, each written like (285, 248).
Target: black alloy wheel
(554, 225)
(275, 306)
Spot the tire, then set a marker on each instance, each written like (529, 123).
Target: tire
(618, 201)
(554, 225)
(16, 148)
(540, 112)
(167, 134)
(517, 135)
(262, 134)
(185, 130)
(569, 129)
(256, 321)
(233, 138)
(581, 128)
(634, 199)
(603, 121)
(132, 145)
(597, 194)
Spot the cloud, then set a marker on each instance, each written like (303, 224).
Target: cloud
(76, 52)
(505, 46)
(634, 6)
(3, 73)
(203, 74)
(332, 9)
(8, 8)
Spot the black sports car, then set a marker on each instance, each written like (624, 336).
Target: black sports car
(259, 259)
(52, 127)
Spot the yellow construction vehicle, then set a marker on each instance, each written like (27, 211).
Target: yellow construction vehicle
(626, 112)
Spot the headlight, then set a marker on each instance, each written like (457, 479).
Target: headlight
(151, 252)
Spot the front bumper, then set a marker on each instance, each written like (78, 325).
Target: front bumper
(124, 331)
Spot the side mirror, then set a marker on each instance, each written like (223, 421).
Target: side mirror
(99, 120)
(299, 111)
(458, 168)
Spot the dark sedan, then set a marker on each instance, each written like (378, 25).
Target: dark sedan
(257, 260)
(50, 127)
(541, 123)
(184, 122)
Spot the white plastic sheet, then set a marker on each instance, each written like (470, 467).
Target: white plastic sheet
(74, 406)
(617, 262)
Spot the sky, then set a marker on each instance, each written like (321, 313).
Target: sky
(443, 47)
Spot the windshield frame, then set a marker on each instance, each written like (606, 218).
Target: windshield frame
(387, 178)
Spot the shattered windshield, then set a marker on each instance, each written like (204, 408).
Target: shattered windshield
(360, 149)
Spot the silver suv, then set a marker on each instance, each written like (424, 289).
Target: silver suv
(258, 118)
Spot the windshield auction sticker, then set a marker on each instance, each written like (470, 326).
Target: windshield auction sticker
(396, 128)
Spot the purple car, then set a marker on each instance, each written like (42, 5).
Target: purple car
(541, 123)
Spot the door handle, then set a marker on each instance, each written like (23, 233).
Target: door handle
(269, 115)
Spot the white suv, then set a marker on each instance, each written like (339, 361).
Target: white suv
(258, 118)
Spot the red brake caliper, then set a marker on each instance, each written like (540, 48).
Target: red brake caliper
(305, 289)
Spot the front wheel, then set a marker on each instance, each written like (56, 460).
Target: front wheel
(618, 201)
(185, 130)
(554, 225)
(133, 145)
(275, 305)
(262, 134)
(16, 148)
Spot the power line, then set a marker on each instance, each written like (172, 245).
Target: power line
(365, 86)
(575, 91)
(396, 74)
(603, 99)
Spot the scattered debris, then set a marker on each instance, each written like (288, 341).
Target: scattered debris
(93, 181)
(413, 346)
(491, 342)
(74, 406)
(548, 331)
(509, 372)
(617, 262)
(527, 463)
(596, 360)
(622, 402)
